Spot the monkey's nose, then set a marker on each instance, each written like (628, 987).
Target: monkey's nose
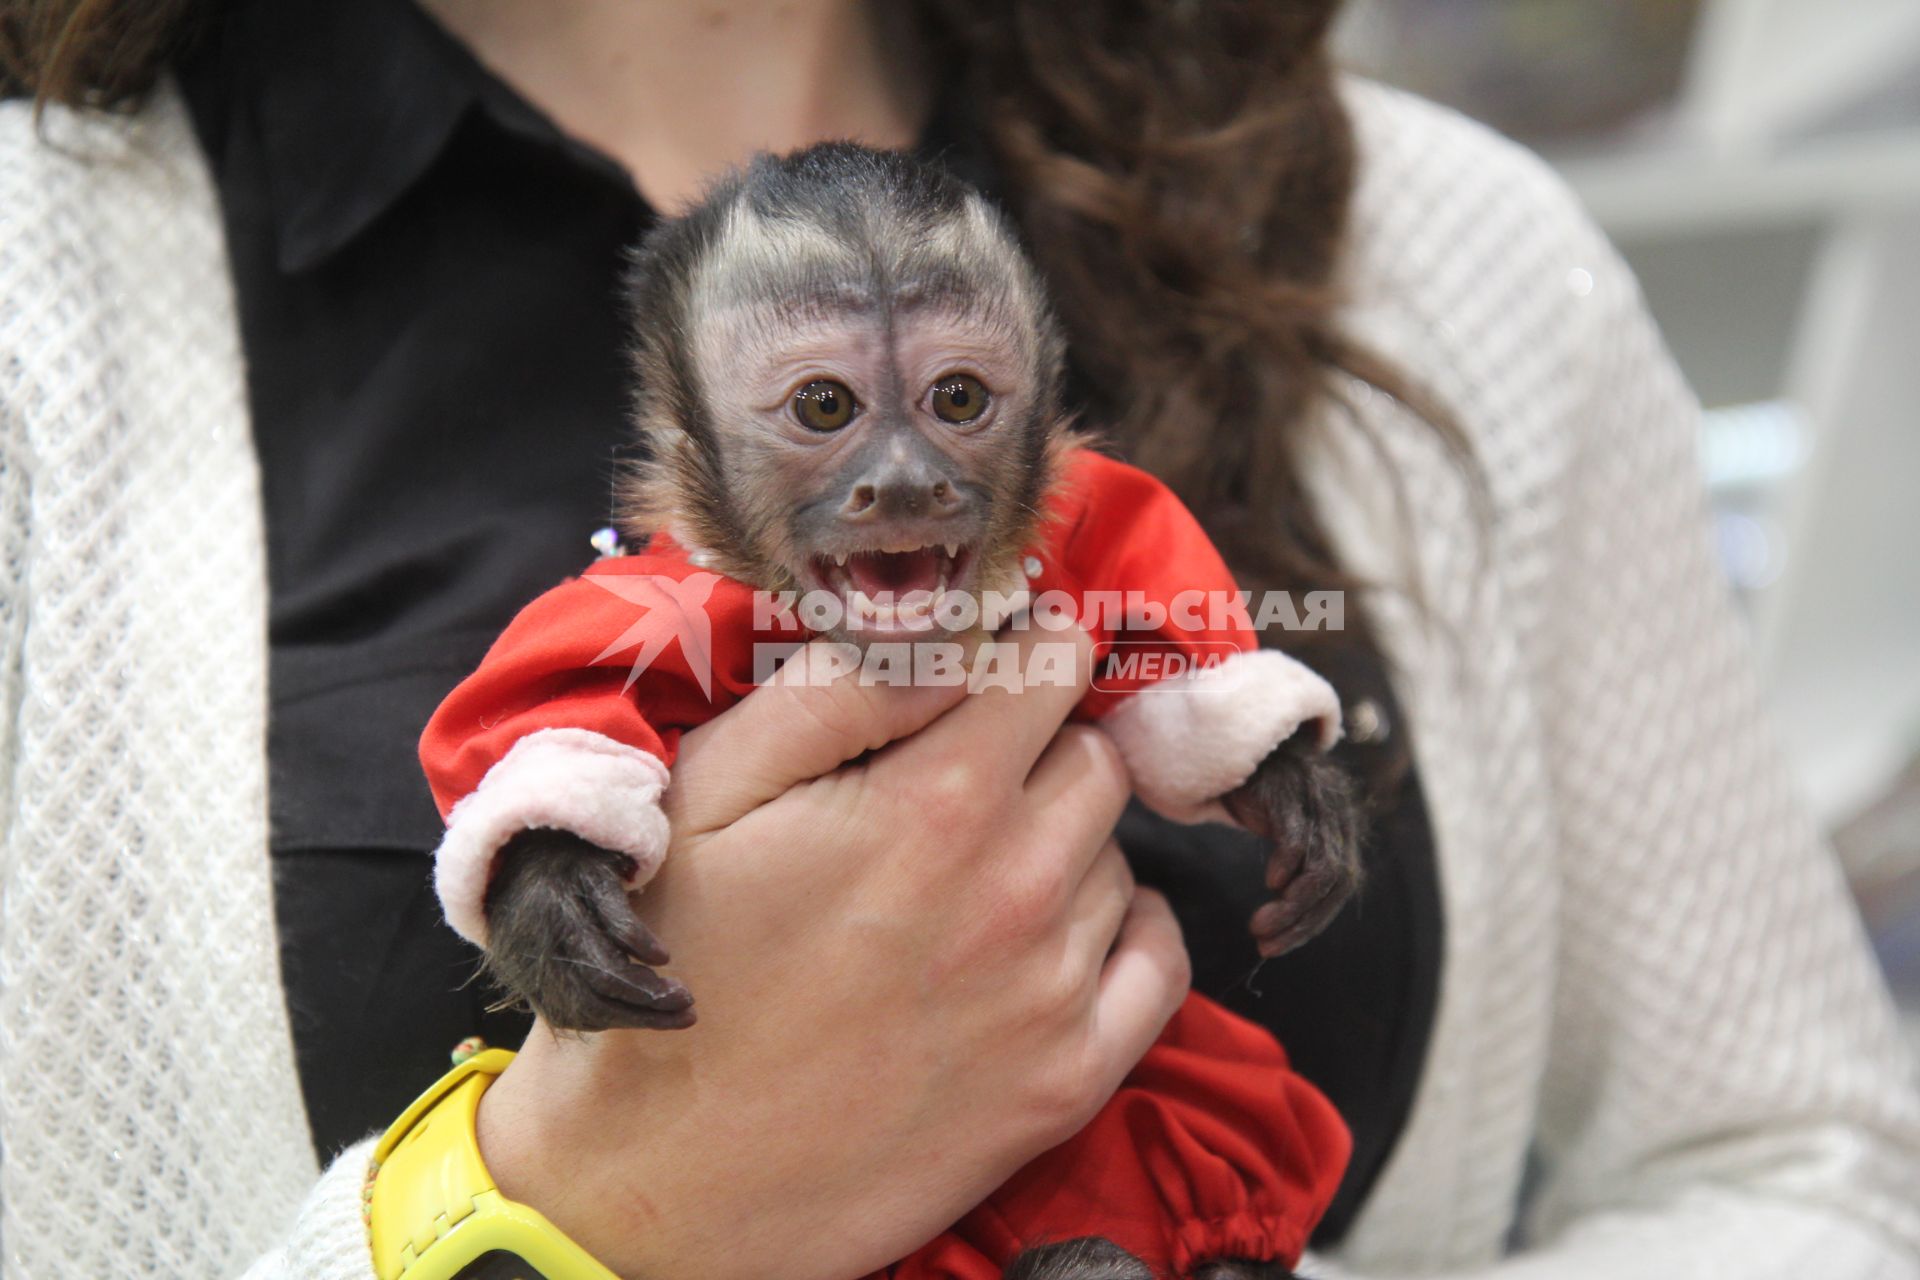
(897, 496)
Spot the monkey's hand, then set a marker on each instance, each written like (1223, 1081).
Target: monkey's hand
(1304, 805)
(564, 938)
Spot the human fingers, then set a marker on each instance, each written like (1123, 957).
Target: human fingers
(806, 722)
(1144, 980)
(1073, 799)
(1046, 674)
(1099, 909)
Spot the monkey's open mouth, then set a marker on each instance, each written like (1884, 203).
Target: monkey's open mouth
(885, 590)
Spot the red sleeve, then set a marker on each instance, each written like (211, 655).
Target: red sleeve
(1213, 1148)
(574, 717)
(1185, 690)
(1148, 573)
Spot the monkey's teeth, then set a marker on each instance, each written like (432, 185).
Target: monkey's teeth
(952, 549)
(841, 560)
(864, 610)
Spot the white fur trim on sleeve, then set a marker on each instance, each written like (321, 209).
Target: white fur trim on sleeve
(1190, 739)
(569, 779)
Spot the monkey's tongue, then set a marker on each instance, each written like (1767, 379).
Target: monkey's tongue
(896, 573)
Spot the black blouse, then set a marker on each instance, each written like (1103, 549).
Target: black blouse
(426, 272)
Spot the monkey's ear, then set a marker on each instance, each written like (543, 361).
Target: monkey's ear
(1192, 738)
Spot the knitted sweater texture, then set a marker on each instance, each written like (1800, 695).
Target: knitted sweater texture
(1655, 992)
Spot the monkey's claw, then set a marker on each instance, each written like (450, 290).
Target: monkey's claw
(564, 938)
(1304, 804)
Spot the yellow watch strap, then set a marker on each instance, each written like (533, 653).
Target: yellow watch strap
(428, 1185)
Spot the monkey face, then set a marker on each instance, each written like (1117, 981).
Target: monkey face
(877, 456)
(858, 390)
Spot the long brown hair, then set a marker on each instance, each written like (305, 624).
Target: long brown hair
(1182, 169)
(92, 53)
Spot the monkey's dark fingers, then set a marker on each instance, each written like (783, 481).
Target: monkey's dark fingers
(1282, 802)
(1312, 880)
(1305, 907)
(613, 910)
(1284, 860)
(565, 940)
(587, 980)
(636, 940)
(627, 994)
(616, 1014)
(1304, 804)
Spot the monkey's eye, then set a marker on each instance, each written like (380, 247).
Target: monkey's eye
(959, 398)
(823, 405)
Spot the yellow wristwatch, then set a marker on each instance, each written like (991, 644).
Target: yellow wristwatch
(433, 1212)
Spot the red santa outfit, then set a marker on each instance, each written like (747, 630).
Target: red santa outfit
(574, 718)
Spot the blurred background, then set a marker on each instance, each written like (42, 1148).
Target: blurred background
(1758, 162)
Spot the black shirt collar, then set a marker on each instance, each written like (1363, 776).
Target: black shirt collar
(352, 101)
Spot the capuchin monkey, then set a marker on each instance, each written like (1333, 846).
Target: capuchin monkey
(875, 302)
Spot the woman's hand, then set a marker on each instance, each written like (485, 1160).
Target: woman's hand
(917, 966)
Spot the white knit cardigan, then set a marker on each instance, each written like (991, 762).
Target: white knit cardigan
(1655, 996)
